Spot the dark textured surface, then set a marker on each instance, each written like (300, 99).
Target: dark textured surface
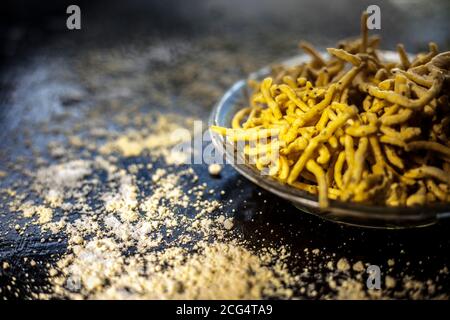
(53, 78)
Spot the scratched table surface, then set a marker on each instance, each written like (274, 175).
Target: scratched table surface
(49, 75)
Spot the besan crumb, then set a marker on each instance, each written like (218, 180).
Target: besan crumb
(391, 262)
(390, 282)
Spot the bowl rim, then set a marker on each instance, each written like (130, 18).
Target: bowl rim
(301, 197)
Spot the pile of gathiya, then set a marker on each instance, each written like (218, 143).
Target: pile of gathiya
(354, 127)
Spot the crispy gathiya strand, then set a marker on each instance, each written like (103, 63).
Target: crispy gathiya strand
(364, 31)
(420, 80)
(314, 111)
(393, 158)
(345, 56)
(309, 49)
(420, 60)
(238, 117)
(418, 198)
(360, 155)
(284, 172)
(442, 195)
(246, 135)
(293, 97)
(324, 155)
(338, 170)
(361, 131)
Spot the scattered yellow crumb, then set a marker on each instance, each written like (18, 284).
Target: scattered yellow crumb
(214, 169)
(358, 266)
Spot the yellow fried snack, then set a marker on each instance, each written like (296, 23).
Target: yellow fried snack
(353, 127)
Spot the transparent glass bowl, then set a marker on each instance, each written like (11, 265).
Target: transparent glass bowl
(339, 211)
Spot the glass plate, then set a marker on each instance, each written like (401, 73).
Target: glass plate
(339, 211)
